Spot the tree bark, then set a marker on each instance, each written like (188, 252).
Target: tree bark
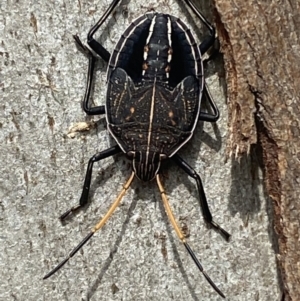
(261, 47)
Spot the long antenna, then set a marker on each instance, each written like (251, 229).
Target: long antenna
(95, 229)
(182, 237)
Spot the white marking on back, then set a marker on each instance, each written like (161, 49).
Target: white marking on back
(146, 50)
(145, 55)
(170, 44)
(151, 119)
(125, 40)
(169, 32)
(151, 30)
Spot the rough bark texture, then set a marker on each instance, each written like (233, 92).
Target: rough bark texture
(261, 45)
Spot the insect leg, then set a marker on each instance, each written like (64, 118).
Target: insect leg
(95, 229)
(92, 60)
(204, 46)
(102, 52)
(97, 47)
(203, 201)
(205, 116)
(88, 176)
(181, 236)
(210, 39)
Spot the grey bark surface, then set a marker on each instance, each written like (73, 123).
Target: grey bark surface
(136, 256)
(261, 45)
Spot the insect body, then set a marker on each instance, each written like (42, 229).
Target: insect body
(151, 110)
(155, 86)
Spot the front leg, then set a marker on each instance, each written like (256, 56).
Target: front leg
(90, 76)
(102, 52)
(210, 39)
(96, 46)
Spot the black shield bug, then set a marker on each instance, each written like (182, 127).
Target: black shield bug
(155, 86)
